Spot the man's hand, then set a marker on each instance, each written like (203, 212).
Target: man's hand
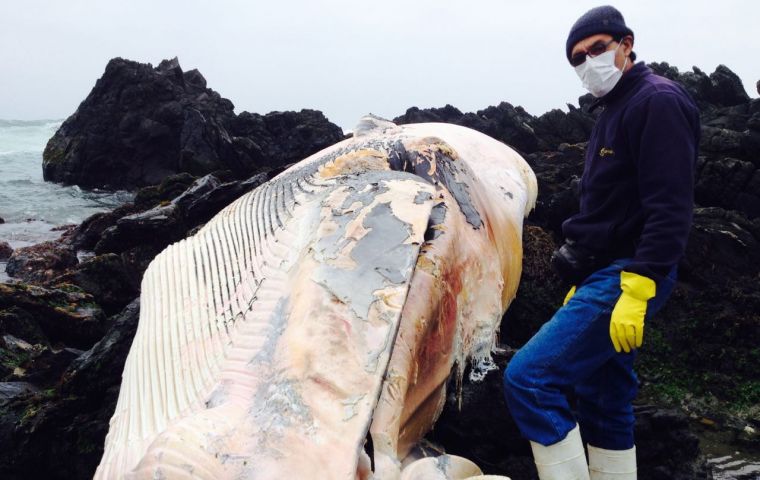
(627, 322)
(569, 295)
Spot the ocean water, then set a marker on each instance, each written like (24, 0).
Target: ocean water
(31, 207)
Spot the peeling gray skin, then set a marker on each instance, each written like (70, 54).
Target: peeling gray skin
(437, 217)
(330, 245)
(459, 191)
(447, 172)
(422, 197)
(386, 229)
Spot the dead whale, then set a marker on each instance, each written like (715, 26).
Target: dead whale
(310, 328)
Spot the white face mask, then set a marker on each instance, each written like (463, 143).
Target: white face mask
(599, 74)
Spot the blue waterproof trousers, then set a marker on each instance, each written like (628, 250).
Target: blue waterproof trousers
(573, 352)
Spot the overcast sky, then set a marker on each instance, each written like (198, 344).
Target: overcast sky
(348, 58)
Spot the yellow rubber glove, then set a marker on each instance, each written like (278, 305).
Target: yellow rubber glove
(569, 295)
(627, 322)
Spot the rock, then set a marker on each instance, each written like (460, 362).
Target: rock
(2, 220)
(32, 428)
(731, 118)
(45, 366)
(5, 251)
(12, 390)
(141, 124)
(159, 226)
(540, 292)
(447, 114)
(69, 317)
(666, 448)
(107, 279)
(14, 353)
(744, 145)
(40, 262)
(558, 174)
(19, 323)
(16, 344)
(87, 234)
(284, 137)
(728, 183)
(705, 339)
(137, 259)
(727, 87)
(556, 127)
(722, 88)
(169, 188)
(757, 86)
(722, 244)
(90, 374)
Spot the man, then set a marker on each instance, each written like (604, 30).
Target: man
(620, 255)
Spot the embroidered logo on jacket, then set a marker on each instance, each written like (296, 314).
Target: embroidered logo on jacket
(606, 152)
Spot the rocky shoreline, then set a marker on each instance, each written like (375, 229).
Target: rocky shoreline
(67, 319)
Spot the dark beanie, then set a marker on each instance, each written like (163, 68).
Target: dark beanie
(605, 19)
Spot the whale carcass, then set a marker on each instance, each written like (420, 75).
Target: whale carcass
(309, 329)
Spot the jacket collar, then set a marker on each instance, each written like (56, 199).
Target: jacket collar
(627, 81)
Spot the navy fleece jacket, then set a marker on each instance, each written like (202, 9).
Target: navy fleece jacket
(637, 188)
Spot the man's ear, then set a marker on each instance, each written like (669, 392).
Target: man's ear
(627, 42)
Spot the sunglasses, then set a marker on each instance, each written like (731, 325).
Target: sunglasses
(597, 48)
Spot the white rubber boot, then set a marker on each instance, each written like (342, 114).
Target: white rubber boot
(612, 464)
(565, 460)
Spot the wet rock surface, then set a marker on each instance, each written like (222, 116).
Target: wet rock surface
(5, 251)
(66, 325)
(40, 262)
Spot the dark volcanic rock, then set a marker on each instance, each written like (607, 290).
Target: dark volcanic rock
(89, 232)
(557, 127)
(44, 366)
(67, 317)
(107, 278)
(169, 188)
(140, 124)
(161, 225)
(558, 174)
(722, 88)
(19, 323)
(5, 251)
(33, 427)
(88, 374)
(12, 390)
(41, 262)
(729, 183)
(285, 137)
